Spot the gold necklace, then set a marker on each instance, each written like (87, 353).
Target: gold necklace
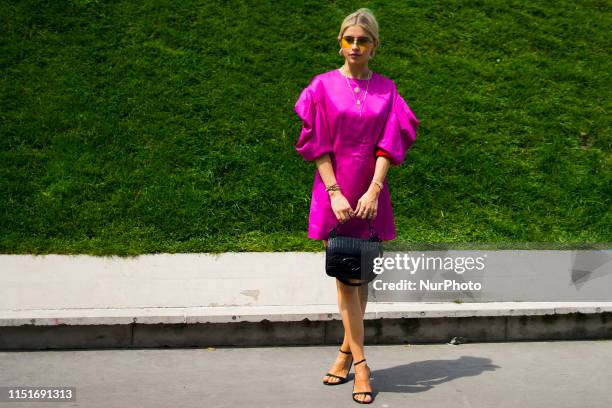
(357, 89)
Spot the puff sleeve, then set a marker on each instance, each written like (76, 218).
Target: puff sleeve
(314, 139)
(400, 129)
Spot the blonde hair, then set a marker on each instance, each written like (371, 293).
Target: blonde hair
(364, 18)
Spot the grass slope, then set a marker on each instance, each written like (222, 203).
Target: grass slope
(168, 126)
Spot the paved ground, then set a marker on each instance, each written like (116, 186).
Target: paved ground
(521, 374)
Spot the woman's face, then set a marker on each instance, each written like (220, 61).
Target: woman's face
(357, 45)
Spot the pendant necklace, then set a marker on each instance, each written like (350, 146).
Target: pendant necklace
(356, 89)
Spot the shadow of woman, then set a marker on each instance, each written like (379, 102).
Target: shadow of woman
(421, 376)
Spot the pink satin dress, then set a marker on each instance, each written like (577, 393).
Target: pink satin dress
(332, 124)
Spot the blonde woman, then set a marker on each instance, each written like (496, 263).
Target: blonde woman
(355, 125)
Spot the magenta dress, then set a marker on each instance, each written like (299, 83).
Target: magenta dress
(332, 124)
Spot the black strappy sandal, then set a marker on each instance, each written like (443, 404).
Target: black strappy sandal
(342, 379)
(363, 392)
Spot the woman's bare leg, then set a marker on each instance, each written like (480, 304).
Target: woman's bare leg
(341, 366)
(352, 302)
(352, 319)
(363, 297)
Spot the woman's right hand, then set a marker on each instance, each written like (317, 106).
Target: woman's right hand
(341, 207)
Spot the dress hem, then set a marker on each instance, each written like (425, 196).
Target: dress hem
(316, 238)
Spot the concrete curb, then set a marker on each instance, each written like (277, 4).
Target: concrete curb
(288, 313)
(391, 323)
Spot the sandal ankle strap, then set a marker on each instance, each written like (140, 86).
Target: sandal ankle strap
(359, 362)
(345, 352)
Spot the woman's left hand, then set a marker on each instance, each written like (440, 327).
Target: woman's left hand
(367, 206)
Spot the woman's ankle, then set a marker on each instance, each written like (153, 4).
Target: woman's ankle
(361, 368)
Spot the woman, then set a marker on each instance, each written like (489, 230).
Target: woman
(355, 125)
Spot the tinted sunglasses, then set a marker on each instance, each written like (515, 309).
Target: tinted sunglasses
(362, 42)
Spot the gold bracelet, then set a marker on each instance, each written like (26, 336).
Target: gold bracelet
(378, 183)
(333, 187)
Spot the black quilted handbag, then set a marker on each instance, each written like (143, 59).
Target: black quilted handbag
(352, 258)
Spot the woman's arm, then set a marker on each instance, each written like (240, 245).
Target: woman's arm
(367, 206)
(340, 205)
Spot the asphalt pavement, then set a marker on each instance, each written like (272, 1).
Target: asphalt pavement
(514, 374)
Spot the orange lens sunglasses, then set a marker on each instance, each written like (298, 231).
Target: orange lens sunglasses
(362, 42)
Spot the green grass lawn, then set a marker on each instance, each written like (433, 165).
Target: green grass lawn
(169, 126)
